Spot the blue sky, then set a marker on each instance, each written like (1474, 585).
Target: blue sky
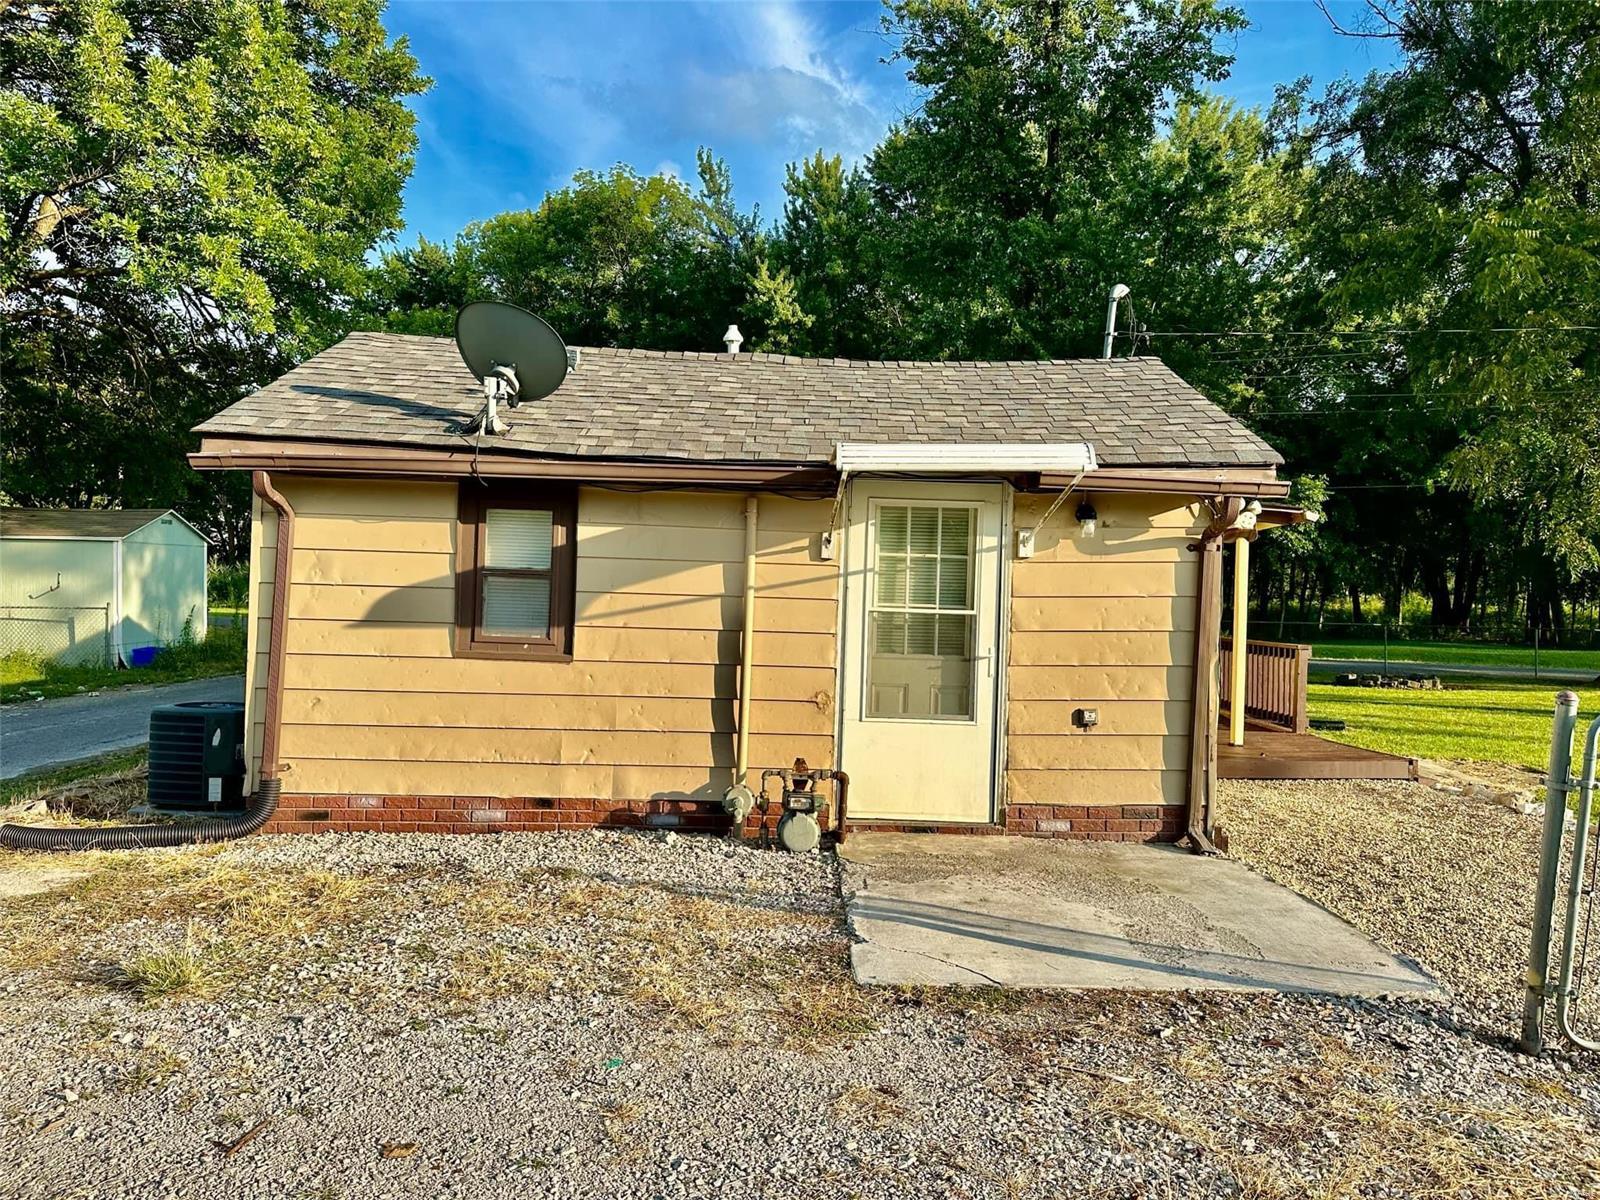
(527, 93)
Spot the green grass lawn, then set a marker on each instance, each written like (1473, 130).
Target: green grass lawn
(25, 678)
(1472, 653)
(1501, 722)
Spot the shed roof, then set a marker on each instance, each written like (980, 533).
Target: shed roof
(403, 390)
(77, 522)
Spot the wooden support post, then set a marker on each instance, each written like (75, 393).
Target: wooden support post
(1241, 646)
(1203, 730)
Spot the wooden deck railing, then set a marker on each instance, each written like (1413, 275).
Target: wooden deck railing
(1275, 682)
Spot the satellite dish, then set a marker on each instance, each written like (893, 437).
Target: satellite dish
(516, 355)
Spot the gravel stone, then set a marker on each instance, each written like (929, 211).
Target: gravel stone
(340, 1074)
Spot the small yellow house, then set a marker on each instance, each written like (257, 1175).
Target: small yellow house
(987, 591)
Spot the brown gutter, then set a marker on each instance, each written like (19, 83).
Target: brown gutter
(1178, 481)
(328, 458)
(272, 719)
(355, 458)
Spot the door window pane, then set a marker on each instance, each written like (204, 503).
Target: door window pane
(920, 623)
(923, 591)
(516, 604)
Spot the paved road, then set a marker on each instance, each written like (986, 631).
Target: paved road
(47, 733)
(1373, 666)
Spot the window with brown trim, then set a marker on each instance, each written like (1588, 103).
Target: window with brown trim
(516, 553)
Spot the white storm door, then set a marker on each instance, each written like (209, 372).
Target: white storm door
(921, 622)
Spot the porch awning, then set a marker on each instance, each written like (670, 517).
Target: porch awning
(964, 458)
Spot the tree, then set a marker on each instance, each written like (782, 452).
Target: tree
(826, 242)
(1475, 165)
(187, 196)
(1001, 196)
(614, 259)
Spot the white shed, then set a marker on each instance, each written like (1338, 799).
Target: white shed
(99, 585)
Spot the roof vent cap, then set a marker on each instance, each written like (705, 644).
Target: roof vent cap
(733, 339)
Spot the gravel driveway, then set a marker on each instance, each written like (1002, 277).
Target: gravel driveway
(644, 1015)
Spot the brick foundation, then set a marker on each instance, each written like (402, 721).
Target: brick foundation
(519, 814)
(1098, 823)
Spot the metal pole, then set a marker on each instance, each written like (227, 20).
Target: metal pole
(1575, 892)
(1536, 653)
(1117, 293)
(1555, 816)
(1386, 647)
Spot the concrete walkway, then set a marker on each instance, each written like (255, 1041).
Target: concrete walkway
(1020, 912)
(50, 733)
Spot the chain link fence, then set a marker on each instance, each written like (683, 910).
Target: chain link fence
(73, 637)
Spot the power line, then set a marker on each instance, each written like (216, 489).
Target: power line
(1374, 333)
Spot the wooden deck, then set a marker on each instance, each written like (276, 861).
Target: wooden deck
(1275, 754)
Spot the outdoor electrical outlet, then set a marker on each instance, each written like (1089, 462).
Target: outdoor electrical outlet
(1086, 718)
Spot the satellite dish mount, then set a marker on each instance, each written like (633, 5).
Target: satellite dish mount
(516, 355)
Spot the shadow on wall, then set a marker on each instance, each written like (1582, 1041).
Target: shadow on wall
(396, 608)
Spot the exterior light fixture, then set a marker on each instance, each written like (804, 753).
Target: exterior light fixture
(1088, 519)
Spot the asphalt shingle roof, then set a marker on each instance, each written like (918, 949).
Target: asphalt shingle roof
(76, 522)
(397, 389)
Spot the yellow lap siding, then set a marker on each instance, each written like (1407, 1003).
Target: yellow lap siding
(1169, 718)
(393, 777)
(1104, 623)
(677, 577)
(1108, 752)
(642, 610)
(590, 644)
(376, 703)
(544, 747)
(1091, 684)
(1047, 614)
(1135, 649)
(1096, 787)
(357, 672)
(655, 714)
(1163, 576)
(645, 542)
(392, 568)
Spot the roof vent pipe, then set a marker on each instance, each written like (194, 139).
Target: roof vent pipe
(733, 339)
(1119, 292)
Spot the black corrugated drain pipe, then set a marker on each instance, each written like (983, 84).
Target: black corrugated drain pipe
(265, 800)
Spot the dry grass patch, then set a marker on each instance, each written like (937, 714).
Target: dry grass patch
(876, 1106)
(196, 923)
(118, 919)
(477, 975)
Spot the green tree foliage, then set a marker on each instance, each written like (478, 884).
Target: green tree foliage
(615, 259)
(1004, 198)
(187, 191)
(1468, 198)
(826, 242)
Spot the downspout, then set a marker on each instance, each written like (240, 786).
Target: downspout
(740, 799)
(265, 800)
(118, 650)
(747, 642)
